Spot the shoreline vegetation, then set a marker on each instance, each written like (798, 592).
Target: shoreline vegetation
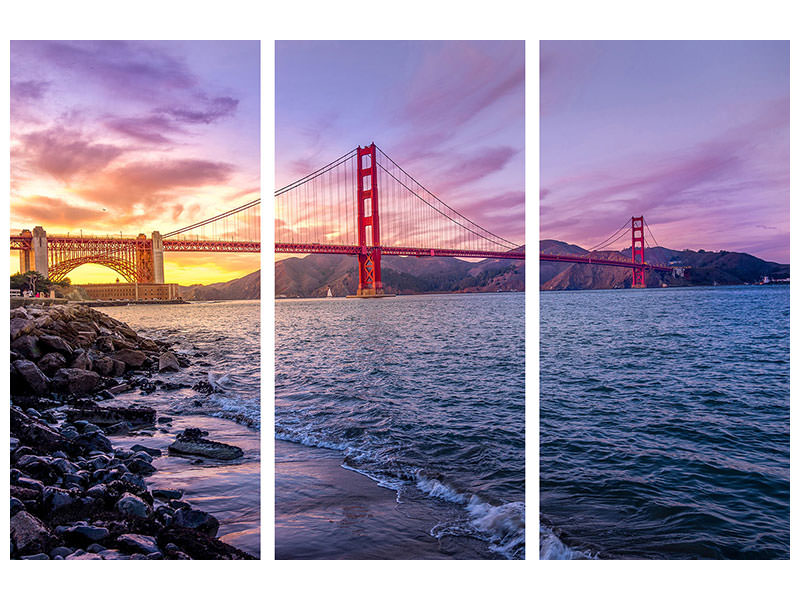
(75, 495)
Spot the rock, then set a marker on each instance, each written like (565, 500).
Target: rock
(138, 543)
(135, 481)
(168, 362)
(28, 533)
(55, 343)
(103, 366)
(61, 551)
(164, 420)
(52, 362)
(16, 505)
(133, 506)
(132, 358)
(20, 326)
(82, 555)
(167, 494)
(57, 499)
(110, 415)
(121, 428)
(149, 451)
(141, 467)
(34, 433)
(27, 346)
(87, 442)
(40, 556)
(195, 544)
(97, 491)
(28, 378)
(84, 533)
(197, 519)
(76, 381)
(192, 441)
(83, 362)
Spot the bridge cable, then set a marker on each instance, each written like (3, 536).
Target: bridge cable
(606, 242)
(228, 213)
(314, 174)
(513, 244)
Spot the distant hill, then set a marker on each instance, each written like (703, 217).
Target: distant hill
(707, 268)
(312, 275)
(243, 288)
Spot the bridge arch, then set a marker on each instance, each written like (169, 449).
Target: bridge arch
(59, 271)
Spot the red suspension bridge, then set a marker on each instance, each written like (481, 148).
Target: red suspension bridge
(636, 263)
(366, 205)
(138, 259)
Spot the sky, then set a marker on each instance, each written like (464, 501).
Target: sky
(693, 135)
(130, 137)
(450, 113)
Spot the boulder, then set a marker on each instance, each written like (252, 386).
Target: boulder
(29, 378)
(28, 533)
(134, 542)
(110, 415)
(197, 519)
(192, 441)
(168, 362)
(82, 361)
(132, 358)
(88, 442)
(76, 381)
(52, 362)
(35, 433)
(133, 506)
(27, 346)
(54, 343)
(20, 326)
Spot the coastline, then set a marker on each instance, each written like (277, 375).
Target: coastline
(92, 477)
(325, 511)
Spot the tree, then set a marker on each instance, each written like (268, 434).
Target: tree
(31, 280)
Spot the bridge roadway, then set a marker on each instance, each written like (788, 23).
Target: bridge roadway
(289, 248)
(606, 262)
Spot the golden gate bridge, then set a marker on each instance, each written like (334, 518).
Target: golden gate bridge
(366, 205)
(138, 259)
(636, 263)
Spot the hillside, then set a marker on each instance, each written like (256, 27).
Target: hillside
(707, 268)
(243, 288)
(312, 275)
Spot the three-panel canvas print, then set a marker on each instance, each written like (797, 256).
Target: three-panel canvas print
(660, 404)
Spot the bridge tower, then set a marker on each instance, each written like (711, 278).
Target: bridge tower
(158, 258)
(369, 230)
(637, 251)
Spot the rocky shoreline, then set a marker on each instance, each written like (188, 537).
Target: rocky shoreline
(74, 496)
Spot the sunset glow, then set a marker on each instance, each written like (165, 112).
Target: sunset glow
(121, 138)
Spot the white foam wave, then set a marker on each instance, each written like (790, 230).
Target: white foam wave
(552, 548)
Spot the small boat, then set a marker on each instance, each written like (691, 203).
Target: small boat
(329, 293)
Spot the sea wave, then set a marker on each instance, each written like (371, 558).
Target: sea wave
(500, 525)
(551, 547)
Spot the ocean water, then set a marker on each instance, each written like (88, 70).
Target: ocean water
(664, 423)
(425, 396)
(222, 341)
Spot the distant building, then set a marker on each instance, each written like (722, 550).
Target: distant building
(131, 291)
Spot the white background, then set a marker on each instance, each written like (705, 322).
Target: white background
(385, 19)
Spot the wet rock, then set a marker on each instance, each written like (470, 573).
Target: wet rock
(133, 542)
(133, 506)
(54, 343)
(193, 442)
(20, 326)
(76, 381)
(121, 428)
(51, 362)
(87, 442)
(141, 467)
(31, 432)
(97, 491)
(149, 451)
(168, 362)
(28, 533)
(82, 362)
(40, 556)
(111, 415)
(167, 494)
(57, 499)
(16, 505)
(85, 533)
(83, 555)
(61, 551)
(197, 519)
(27, 346)
(197, 545)
(132, 358)
(28, 378)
